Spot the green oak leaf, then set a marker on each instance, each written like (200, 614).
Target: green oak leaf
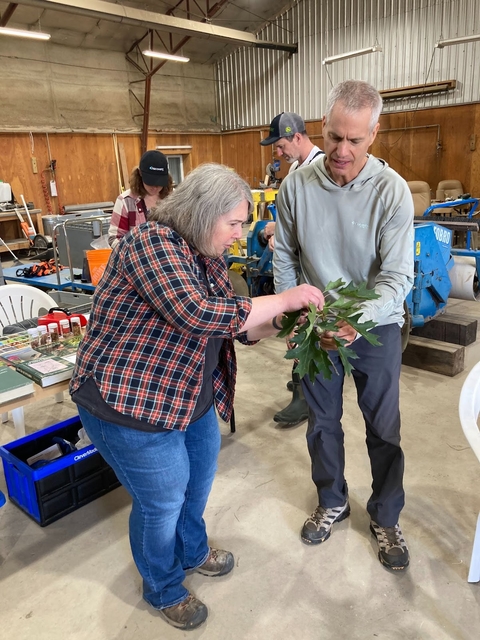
(345, 356)
(342, 303)
(289, 322)
(312, 359)
(359, 292)
(363, 329)
(334, 285)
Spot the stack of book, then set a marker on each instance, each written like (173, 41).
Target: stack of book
(13, 385)
(44, 364)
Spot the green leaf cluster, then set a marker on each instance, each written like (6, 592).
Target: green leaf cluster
(312, 358)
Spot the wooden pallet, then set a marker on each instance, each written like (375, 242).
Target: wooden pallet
(450, 327)
(439, 346)
(434, 355)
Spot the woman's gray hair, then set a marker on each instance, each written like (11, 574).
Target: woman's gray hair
(355, 95)
(193, 209)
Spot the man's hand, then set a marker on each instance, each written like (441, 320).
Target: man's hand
(345, 332)
(269, 229)
(268, 232)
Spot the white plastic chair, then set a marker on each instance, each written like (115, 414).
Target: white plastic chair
(469, 410)
(21, 302)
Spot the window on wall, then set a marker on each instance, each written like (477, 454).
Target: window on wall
(175, 167)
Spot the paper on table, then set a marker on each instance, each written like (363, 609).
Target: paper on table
(47, 366)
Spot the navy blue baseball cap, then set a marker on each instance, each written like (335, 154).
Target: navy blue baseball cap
(154, 169)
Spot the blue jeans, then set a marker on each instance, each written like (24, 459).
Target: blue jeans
(169, 476)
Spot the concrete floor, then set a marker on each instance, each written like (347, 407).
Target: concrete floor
(75, 579)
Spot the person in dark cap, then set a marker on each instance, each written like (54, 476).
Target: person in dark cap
(150, 182)
(290, 140)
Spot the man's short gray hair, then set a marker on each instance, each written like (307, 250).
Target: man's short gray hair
(355, 95)
(193, 209)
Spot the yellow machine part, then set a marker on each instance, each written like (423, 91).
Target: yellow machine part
(238, 248)
(261, 196)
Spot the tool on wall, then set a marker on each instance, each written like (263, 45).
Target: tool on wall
(46, 195)
(53, 188)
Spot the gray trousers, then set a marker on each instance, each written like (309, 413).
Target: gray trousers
(376, 376)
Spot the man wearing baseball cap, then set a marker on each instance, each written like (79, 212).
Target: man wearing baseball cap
(290, 140)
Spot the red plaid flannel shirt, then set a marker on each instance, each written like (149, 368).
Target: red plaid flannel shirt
(151, 318)
(129, 211)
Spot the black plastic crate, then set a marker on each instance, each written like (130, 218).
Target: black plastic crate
(60, 486)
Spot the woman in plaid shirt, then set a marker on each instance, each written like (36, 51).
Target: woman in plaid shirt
(156, 361)
(150, 182)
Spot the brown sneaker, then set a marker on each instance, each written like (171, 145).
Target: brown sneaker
(187, 614)
(318, 527)
(218, 563)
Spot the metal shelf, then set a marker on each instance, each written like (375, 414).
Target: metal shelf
(15, 245)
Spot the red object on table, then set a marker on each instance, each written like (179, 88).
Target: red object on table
(56, 314)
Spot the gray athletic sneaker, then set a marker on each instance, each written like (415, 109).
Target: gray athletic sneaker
(392, 548)
(318, 526)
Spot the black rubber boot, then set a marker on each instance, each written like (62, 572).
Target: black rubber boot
(297, 410)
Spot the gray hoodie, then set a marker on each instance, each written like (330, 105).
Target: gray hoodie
(362, 231)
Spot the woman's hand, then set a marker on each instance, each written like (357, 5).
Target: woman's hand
(300, 297)
(259, 322)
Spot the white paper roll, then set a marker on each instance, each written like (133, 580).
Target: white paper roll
(463, 276)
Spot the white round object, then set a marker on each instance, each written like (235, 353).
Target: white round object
(463, 276)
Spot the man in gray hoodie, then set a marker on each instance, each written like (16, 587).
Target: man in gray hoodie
(350, 216)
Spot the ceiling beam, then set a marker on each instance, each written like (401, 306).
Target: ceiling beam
(7, 14)
(109, 11)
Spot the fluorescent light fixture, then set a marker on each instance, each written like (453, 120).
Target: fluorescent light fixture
(462, 40)
(352, 54)
(174, 146)
(164, 56)
(21, 33)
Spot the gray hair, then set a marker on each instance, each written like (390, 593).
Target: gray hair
(355, 95)
(207, 193)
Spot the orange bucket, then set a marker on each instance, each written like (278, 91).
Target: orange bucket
(97, 261)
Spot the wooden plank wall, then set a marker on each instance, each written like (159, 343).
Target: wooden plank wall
(433, 145)
(430, 145)
(205, 147)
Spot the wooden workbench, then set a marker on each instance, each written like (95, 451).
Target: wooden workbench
(10, 230)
